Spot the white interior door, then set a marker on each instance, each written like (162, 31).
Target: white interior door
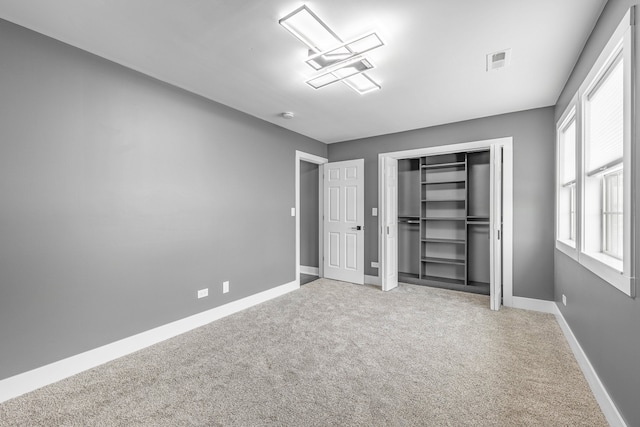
(343, 223)
(389, 225)
(496, 227)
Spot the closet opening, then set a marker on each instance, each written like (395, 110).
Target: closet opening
(446, 218)
(443, 221)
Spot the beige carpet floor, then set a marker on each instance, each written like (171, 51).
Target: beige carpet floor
(338, 354)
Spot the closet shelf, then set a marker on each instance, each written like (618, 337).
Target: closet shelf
(453, 181)
(439, 279)
(443, 218)
(444, 165)
(444, 200)
(453, 241)
(435, 260)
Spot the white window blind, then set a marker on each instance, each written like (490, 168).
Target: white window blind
(605, 120)
(568, 141)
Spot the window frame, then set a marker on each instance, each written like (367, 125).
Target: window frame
(618, 172)
(617, 272)
(571, 114)
(573, 214)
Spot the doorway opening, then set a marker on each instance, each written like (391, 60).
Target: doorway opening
(309, 197)
(460, 209)
(309, 215)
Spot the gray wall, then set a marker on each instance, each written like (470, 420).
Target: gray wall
(605, 321)
(309, 214)
(533, 139)
(122, 196)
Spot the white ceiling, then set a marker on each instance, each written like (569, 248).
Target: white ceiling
(432, 68)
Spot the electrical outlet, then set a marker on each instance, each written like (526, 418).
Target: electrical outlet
(374, 264)
(374, 211)
(293, 211)
(225, 287)
(564, 300)
(203, 293)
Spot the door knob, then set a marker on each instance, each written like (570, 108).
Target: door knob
(358, 227)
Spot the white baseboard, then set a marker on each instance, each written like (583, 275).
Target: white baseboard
(314, 271)
(48, 374)
(607, 405)
(533, 304)
(372, 280)
(40, 377)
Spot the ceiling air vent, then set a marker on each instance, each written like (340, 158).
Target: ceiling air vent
(497, 60)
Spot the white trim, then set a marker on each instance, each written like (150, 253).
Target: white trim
(600, 265)
(540, 305)
(607, 405)
(507, 198)
(311, 158)
(372, 280)
(573, 112)
(444, 149)
(305, 269)
(48, 374)
(507, 219)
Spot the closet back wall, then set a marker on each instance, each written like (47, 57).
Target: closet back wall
(533, 187)
(121, 196)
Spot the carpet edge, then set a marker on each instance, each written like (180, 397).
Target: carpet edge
(26, 382)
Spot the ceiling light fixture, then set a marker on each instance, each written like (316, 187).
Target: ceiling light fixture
(337, 61)
(309, 29)
(341, 71)
(361, 83)
(345, 51)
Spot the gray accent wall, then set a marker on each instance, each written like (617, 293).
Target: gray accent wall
(533, 193)
(309, 215)
(121, 196)
(605, 321)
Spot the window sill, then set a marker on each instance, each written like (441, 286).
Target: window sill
(609, 269)
(568, 247)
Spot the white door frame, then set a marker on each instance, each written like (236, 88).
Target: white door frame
(310, 158)
(507, 199)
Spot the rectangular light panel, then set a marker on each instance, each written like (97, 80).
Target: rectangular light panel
(361, 83)
(346, 69)
(310, 30)
(345, 51)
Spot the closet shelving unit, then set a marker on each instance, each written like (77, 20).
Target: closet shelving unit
(444, 226)
(443, 243)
